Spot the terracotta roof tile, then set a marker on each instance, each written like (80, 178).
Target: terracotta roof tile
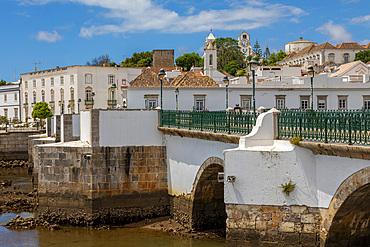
(344, 67)
(352, 45)
(192, 79)
(148, 78)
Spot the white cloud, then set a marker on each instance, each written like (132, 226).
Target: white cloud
(48, 36)
(143, 15)
(335, 32)
(360, 19)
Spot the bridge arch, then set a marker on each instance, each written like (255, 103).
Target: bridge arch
(208, 209)
(347, 220)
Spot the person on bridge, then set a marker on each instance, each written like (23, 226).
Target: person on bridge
(238, 109)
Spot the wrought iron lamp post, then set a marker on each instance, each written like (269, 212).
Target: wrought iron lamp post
(78, 105)
(311, 71)
(177, 98)
(113, 87)
(226, 81)
(161, 74)
(253, 64)
(92, 98)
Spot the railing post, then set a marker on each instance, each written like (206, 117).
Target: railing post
(228, 122)
(161, 117)
(214, 122)
(326, 129)
(201, 121)
(349, 131)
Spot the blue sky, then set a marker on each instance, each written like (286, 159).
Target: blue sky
(71, 32)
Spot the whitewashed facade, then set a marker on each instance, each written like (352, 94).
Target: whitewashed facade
(9, 101)
(70, 89)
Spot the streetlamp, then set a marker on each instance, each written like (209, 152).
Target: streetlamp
(161, 74)
(177, 98)
(226, 81)
(145, 102)
(253, 64)
(311, 71)
(69, 107)
(113, 87)
(78, 105)
(92, 97)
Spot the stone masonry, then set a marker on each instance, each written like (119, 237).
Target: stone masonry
(111, 185)
(14, 145)
(163, 58)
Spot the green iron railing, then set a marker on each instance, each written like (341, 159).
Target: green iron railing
(211, 121)
(352, 127)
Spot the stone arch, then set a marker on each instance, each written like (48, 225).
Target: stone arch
(347, 220)
(208, 206)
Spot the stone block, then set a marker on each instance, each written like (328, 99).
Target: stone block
(287, 227)
(308, 218)
(309, 228)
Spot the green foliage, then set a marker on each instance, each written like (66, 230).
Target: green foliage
(264, 62)
(2, 82)
(3, 120)
(281, 55)
(99, 61)
(232, 67)
(266, 54)
(288, 187)
(257, 49)
(364, 56)
(228, 50)
(141, 59)
(242, 72)
(41, 111)
(274, 58)
(295, 140)
(188, 60)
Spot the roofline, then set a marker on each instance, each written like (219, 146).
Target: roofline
(71, 66)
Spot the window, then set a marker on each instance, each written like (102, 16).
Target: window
(5, 97)
(88, 78)
(366, 102)
(52, 95)
(26, 98)
(111, 79)
(346, 57)
(52, 81)
(246, 101)
(342, 102)
(62, 80)
(151, 102)
(15, 97)
(210, 59)
(321, 102)
(244, 36)
(72, 93)
(305, 100)
(280, 101)
(15, 113)
(6, 113)
(88, 92)
(43, 82)
(72, 79)
(199, 102)
(26, 84)
(62, 95)
(43, 96)
(34, 83)
(331, 57)
(34, 97)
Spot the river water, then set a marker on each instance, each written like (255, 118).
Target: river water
(81, 237)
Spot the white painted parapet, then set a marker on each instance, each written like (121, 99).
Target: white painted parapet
(85, 123)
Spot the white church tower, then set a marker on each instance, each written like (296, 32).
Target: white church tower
(210, 56)
(244, 41)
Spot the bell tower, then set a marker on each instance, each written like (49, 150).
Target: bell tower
(210, 55)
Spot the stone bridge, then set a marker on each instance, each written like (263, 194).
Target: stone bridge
(125, 168)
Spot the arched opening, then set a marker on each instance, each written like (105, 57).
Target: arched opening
(208, 197)
(210, 59)
(350, 224)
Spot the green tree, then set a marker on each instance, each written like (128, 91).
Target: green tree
(188, 60)
(364, 56)
(266, 54)
(257, 49)
(3, 120)
(139, 59)
(228, 50)
(99, 61)
(264, 62)
(242, 72)
(273, 59)
(232, 67)
(41, 111)
(281, 55)
(2, 82)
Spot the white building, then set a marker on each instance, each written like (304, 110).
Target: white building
(73, 88)
(9, 101)
(296, 46)
(244, 41)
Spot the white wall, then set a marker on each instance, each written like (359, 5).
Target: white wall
(85, 122)
(76, 125)
(184, 158)
(129, 128)
(52, 126)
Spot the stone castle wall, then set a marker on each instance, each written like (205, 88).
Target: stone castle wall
(163, 58)
(14, 145)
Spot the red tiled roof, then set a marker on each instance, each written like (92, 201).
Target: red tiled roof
(193, 79)
(352, 45)
(148, 78)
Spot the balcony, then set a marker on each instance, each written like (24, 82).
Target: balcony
(89, 102)
(25, 105)
(61, 102)
(71, 102)
(112, 102)
(51, 103)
